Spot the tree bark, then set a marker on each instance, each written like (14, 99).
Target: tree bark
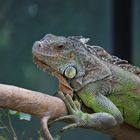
(31, 102)
(41, 105)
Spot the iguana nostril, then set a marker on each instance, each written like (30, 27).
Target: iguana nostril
(38, 44)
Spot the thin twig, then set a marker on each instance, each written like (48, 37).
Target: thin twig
(11, 126)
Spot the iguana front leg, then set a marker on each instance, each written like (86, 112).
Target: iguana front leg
(98, 121)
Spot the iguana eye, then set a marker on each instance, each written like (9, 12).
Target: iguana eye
(60, 47)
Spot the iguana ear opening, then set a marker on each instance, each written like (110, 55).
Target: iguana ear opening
(70, 72)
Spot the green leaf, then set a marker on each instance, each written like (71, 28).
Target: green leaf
(2, 138)
(12, 112)
(57, 137)
(24, 116)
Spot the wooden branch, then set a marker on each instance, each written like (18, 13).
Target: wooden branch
(31, 102)
(125, 132)
(48, 107)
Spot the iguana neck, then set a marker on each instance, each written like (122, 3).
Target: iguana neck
(90, 69)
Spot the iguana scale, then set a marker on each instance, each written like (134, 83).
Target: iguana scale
(106, 84)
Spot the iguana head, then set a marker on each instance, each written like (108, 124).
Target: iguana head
(56, 52)
(69, 60)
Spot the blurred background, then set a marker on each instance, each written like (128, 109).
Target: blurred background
(112, 24)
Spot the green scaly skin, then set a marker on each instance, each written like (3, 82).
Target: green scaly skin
(109, 90)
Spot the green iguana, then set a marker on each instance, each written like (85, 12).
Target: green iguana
(104, 83)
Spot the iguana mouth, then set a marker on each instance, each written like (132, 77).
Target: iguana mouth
(63, 84)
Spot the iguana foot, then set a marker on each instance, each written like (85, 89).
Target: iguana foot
(80, 118)
(97, 121)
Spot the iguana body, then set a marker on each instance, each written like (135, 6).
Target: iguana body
(106, 84)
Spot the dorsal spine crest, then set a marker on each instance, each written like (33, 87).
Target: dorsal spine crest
(103, 55)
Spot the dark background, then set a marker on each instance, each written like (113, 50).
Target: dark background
(112, 24)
